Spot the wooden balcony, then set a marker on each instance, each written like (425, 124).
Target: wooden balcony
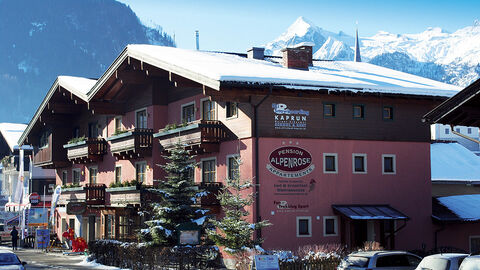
(46, 158)
(132, 144)
(87, 151)
(202, 136)
(213, 189)
(95, 194)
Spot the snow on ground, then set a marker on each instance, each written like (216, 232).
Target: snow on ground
(453, 162)
(95, 265)
(464, 206)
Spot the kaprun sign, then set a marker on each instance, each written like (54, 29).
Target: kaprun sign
(286, 118)
(290, 162)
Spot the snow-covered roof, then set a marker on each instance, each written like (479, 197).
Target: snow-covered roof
(464, 206)
(453, 162)
(12, 132)
(214, 69)
(77, 85)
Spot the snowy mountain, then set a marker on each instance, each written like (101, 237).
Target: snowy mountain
(40, 40)
(436, 54)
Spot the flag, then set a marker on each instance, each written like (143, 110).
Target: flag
(18, 198)
(55, 197)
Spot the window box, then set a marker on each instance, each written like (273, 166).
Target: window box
(132, 144)
(86, 151)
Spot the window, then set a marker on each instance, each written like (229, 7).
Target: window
(191, 172)
(92, 175)
(232, 109)
(76, 132)
(209, 170)
(469, 130)
(447, 131)
(141, 172)
(123, 227)
(388, 164)
(330, 163)
(64, 177)
(71, 224)
(304, 226)
(387, 113)
(330, 226)
(397, 261)
(109, 226)
(457, 130)
(233, 167)
(188, 113)
(44, 138)
(474, 244)
(359, 163)
(208, 110)
(328, 110)
(141, 119)
(93, 130)
(118, 124)
(118, 174)
(358, 111)
(76, 176)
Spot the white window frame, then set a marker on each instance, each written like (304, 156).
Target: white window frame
(214, 107)
(364, 162)
(146, 169)
(139, 110)
(237, 156)
(115, 173)
(89, 176)
(335, 218)
(115, 119)
(185, 105)
(309, 226)
(216, 169)
(470, 241)
(79, 173)
(394, 164)
(324, 163)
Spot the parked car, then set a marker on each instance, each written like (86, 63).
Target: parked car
(8, 260)
(445, 261)
(393, 260)
(471, 263)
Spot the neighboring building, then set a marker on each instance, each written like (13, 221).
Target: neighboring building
(444, 133)
(456, 184)
(336, 150)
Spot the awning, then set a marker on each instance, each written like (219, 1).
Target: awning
(458, 208)
(369, 212)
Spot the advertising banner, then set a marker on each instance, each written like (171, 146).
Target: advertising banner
(42, 238)
(38, 217)
(266, 262)
(55, 197)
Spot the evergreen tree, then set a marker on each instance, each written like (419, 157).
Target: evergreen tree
(179, 195)
(233, 231)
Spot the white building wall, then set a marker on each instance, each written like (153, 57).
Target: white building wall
(443, 132)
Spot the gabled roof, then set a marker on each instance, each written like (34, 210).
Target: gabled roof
(11, 132)
(452, 162)
(78, 86)
(221, 69)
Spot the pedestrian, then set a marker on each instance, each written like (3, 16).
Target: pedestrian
(14, 234)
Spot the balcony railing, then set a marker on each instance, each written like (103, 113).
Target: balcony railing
(47, 158)
(213, 189)
(132, 144)
(95, 194)
(202, 136)
(87, 151)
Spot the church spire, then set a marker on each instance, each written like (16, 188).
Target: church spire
(357, 57)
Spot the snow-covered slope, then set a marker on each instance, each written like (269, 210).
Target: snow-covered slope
(434, 53)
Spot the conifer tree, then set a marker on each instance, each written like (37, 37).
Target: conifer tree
(179, 195)
(233, 231)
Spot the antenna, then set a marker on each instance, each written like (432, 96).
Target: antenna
(197, 39)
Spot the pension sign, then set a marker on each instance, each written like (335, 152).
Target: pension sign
(290, 162)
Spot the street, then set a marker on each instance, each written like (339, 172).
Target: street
(37, 259)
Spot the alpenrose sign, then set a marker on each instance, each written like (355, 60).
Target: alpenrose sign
(290, 162)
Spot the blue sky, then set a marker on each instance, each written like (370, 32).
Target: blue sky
(237, 25)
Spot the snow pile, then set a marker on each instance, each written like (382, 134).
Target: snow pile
(94, 265)
(453, 162)
(464, 206)
(11, 132)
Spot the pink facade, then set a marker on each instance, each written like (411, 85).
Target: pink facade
(408, 190)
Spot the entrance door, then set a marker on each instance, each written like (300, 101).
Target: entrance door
(91, 228)
(359, 233)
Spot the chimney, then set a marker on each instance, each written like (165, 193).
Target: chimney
(256, 53)
(298, 57)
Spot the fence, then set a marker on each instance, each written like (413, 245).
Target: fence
(310, 265)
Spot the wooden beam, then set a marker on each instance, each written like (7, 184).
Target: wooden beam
(98, 107)
(113, 91)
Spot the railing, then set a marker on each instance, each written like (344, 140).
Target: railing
(92, 149)
(44, 155)
(134, 143)
(213, 189)
(202, 136)
(95, 194)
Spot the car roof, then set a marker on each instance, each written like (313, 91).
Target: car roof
(447, 255)
(6, 251)
(377, 252)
